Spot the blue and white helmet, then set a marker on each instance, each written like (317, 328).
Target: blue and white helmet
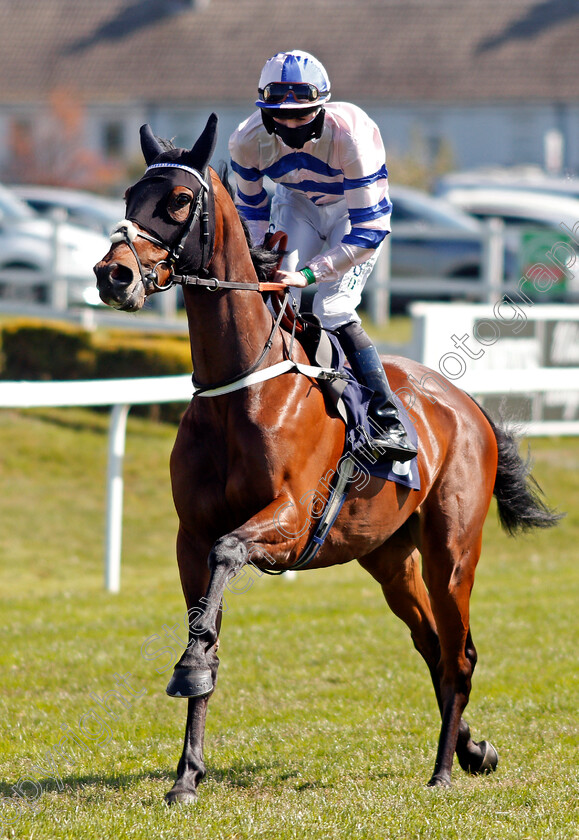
(293, 80)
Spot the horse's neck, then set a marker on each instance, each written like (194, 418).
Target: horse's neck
(228, 329)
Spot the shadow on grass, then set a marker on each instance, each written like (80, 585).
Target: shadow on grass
(250, 774)
(115, 781)
(239, 775)
(94, 420)
(244, 776)
(274, 773)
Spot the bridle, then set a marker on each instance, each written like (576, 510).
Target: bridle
(127, 231)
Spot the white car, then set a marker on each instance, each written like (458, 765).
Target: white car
(526, 178)
(516, 207)
(535, 223)
(27, 244)
(87, 209)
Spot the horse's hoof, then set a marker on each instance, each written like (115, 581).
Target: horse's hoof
(439, 780)
(187, 682)
(490, 758)
(180, 797)
(479, 759)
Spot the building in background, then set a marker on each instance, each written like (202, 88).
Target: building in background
(472, 82)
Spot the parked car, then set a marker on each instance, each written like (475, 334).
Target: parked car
(79, 206)
(417, 212)
(516, 207)
(535, 223)
(27, 245)
(432, 238)
(522, 178)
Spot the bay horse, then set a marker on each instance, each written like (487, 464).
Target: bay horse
(249, 453)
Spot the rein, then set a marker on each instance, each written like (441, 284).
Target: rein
(213, 283)
(200, 389)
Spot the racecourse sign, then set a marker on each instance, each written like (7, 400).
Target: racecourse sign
(470, 343)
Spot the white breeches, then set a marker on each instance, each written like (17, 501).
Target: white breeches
(311, 230)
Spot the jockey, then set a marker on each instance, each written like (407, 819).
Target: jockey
(331, 198)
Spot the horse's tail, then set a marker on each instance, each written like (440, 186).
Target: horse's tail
(521, 505)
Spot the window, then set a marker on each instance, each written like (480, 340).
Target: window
(113, 139)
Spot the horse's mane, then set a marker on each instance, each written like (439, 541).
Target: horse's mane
(264, 261)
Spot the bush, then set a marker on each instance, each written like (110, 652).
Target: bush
(35, 350)
(128, 356)
(122, 356)
(46, 351)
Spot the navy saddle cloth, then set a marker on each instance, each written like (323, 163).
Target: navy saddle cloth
(355, 399)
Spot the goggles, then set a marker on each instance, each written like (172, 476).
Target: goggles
(275, 93)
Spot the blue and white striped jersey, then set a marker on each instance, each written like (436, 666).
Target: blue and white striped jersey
(346, 164)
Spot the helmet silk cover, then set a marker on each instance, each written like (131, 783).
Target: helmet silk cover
(294, 67)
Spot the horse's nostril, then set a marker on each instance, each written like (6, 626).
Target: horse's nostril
(120, 273)
(115, 273)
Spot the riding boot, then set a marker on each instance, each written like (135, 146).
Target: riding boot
(390, 435)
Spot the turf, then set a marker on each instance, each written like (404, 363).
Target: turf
(323, 724)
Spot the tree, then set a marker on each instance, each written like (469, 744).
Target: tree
(52, 150)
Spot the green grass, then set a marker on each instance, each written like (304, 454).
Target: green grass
(323, 724)
(397, 330)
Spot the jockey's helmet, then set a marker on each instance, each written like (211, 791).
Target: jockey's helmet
(293, 80)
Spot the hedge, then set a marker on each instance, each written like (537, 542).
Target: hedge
(46, 351)
(40, 350)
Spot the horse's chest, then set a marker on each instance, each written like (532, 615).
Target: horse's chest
(213, 477)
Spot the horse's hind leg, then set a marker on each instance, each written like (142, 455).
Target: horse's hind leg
(474, 757)
(396, 566)
(449, 565)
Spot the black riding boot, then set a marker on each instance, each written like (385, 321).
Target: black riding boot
(392, 441)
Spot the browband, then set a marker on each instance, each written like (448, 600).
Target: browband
(189, 169)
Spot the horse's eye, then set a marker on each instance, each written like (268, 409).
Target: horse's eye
(179, 205)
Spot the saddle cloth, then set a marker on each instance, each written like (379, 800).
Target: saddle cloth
(351, 400)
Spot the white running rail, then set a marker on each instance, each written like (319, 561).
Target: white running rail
(122, 393)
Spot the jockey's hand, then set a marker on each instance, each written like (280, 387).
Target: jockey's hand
(291, 278)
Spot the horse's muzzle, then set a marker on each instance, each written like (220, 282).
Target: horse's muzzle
(118, 287)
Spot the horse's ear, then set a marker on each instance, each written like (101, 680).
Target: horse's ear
(202, 151)
(149, 144)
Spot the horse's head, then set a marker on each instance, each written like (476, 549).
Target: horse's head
(168, 224)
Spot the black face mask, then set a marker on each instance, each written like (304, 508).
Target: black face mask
(147, 206)
(295, 138)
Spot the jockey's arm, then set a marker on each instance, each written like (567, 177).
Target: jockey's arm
(363, 162)
(251, 199)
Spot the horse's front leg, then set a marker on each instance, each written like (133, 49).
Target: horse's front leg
(195, 674)
(266, 538)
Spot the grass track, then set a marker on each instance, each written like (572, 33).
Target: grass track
(323, 724)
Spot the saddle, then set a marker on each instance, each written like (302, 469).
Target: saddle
(351, 401)
(347, 397)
